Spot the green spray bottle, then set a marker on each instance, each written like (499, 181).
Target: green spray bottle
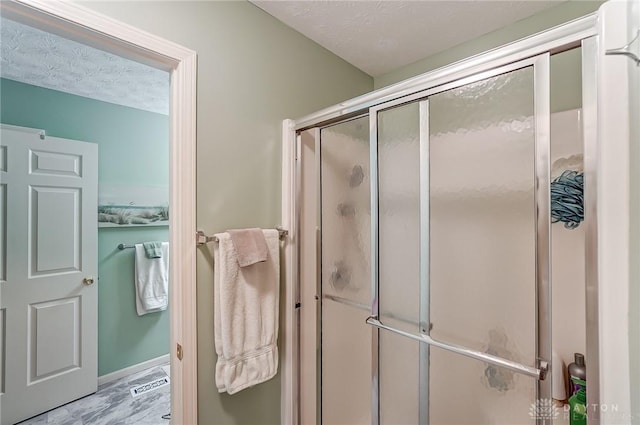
(578, 403)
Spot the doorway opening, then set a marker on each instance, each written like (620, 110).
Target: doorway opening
(92, 29)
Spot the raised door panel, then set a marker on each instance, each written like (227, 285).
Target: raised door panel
(3, 232)
(3, 335)
(56, 164)
(54, 338)
(55, 228)
(3, 158)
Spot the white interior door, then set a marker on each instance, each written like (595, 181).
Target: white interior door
(48, 272)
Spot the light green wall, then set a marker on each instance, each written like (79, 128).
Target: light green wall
(133, 150)
(253, 72)
(565, 80)
(549, 18)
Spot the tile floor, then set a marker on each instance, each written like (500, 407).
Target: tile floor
(113, 404)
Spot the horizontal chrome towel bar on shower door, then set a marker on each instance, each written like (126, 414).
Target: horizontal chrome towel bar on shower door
(474, 354)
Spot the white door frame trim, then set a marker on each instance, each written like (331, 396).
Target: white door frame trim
(89, 27)
(289, 392)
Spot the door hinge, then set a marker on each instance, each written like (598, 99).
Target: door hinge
(179, 351)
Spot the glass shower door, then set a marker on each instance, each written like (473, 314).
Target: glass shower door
(460, 243)
(345, 292)
(483, 248)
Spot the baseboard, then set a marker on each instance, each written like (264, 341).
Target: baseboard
(133, 369)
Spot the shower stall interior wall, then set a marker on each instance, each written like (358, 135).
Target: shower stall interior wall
(426, 258)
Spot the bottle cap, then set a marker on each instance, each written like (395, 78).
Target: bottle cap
(579, 359)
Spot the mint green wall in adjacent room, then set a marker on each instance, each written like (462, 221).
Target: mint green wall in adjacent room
(133, 150)
(124, 338)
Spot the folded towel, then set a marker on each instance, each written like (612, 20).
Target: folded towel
(151, 280)
(250, 246)
(245, 315)
(153, 249)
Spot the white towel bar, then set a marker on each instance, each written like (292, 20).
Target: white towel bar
(125, 246)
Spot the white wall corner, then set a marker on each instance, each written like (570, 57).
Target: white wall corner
(613, 191)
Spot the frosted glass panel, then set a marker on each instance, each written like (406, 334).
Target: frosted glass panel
(482, 247)
(465, 391)
(482, 218)
(399, 261)
(399, 215)
(346, 206)
(346, 282)
(346, 365)
(399, 377)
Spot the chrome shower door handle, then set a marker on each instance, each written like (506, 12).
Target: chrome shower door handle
(539, 372)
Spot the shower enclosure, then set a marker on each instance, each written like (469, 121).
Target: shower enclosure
(422, 218)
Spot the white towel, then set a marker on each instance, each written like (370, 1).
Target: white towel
(151, 281)
(246, 315)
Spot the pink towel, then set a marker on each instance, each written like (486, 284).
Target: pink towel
(250, 245)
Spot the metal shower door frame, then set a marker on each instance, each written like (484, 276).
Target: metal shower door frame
(541, 81)
(555, 40)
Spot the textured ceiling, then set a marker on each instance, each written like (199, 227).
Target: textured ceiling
(35, 57)
(375, 36)
(381, 36)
